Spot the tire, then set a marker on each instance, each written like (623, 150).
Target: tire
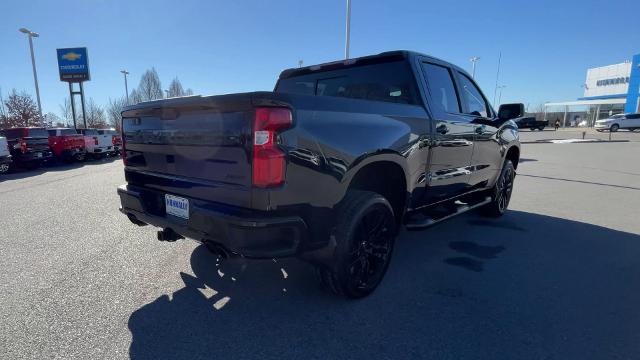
(4, 168)
(541, 128)
(80, 157)
(365, 232)
(501, 192)
(532, 129)
(614, 128)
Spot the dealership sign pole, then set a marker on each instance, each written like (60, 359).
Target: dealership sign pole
(73, 66)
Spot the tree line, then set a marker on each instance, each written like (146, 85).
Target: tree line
(18, 108)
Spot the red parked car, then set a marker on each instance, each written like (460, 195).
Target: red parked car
(67, 144)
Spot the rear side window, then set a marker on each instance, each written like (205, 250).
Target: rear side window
(476, 105)
(52, 132)
(633, 116)
(387, 82)
(441, 88)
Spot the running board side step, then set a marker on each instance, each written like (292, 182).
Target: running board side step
(425, 221)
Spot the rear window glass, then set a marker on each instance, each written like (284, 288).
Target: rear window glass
(388, 82)
(88, 131)
(107, 132)
(68, 132)
(12, 134)
(38, 133)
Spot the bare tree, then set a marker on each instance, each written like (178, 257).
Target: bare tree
(3, 110)
(134, 97)
(65, 111)
(21, 110)
(114, 110)
(175, 88)
(188, 92)
(150, 87)
(539, 111)
(52, 120)
(96, 117)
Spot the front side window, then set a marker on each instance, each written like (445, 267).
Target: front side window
(476, 105)
(441, 88)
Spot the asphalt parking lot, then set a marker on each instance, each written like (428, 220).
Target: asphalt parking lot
(558, 277)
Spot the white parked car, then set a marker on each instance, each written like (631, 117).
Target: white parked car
(97, 145)
(614, 123)
(5, 155)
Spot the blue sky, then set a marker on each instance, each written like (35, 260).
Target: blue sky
(217, 47)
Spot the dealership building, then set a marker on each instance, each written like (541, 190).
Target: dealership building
(608, 90)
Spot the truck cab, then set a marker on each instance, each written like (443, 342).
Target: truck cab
(66, 144)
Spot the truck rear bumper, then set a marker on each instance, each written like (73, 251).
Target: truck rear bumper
(246, 233)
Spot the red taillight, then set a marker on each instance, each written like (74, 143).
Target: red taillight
(123, 152)
(23, 146)
(113, 140)
(95, 140)
(268, 159)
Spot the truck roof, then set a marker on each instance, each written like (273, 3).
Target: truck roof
(396, 55)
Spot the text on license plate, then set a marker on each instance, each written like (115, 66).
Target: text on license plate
(176, 206)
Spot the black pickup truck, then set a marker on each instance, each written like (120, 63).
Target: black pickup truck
(327, 167)
(530, 122)
(29, 146)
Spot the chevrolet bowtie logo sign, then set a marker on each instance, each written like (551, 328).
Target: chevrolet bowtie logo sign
(73, 64)
(71, 56)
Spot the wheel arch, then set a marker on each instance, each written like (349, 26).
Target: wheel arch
(385, 174)
(513, 154)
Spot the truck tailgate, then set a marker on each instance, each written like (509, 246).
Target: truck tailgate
(198, 150)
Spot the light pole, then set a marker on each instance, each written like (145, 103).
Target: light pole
(348, 31)
(31, 35)
(126, 88)
(474, 60)
(300, 62)
(500, 96)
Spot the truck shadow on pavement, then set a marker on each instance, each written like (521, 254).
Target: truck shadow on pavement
(21, 173)
(539, 287)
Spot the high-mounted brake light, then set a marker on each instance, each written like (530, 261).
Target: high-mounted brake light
(268, 159)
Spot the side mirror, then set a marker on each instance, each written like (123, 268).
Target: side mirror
(510, 111)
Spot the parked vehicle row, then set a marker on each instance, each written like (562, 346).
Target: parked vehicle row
(30, 147)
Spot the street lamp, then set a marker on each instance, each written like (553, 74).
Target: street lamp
(474, 60)
(126, 88)
(500, 96)
(31, 35)
(348, 31)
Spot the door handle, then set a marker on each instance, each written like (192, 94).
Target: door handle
(442, 129)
